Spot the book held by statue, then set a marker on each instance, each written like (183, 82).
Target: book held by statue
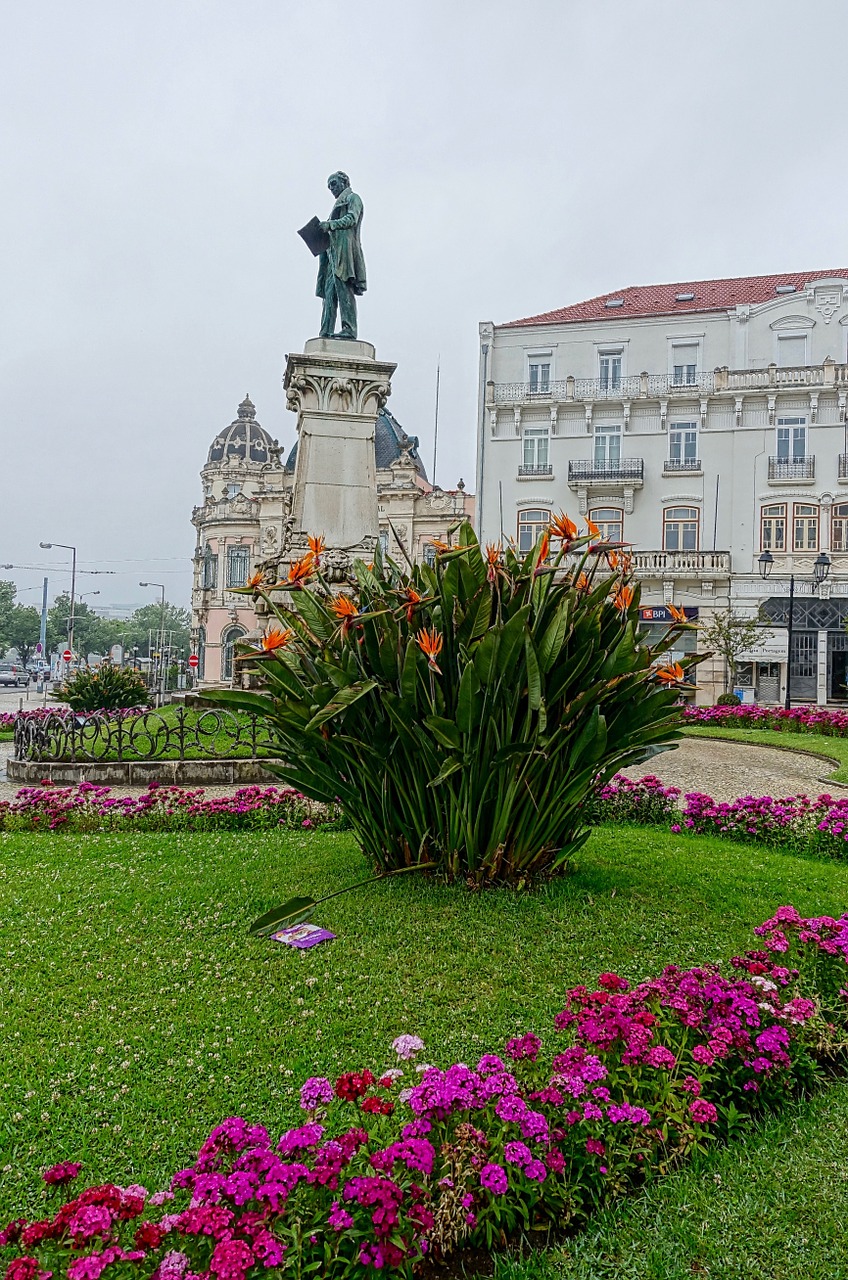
(316, 239)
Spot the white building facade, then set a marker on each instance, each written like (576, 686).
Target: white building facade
(704, 424)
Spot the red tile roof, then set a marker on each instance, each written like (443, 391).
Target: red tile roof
(660, 299)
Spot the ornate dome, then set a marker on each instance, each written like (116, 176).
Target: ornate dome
(244, 440)
(390, 441)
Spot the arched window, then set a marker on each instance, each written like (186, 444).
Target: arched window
(201, 653)
(531, 525)
(805, 519)
(680, 529)
(839, 527)
(228, 640)
(610, 521)
(773, 527)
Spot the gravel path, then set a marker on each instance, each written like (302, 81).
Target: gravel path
(727, 770)
(724, 770)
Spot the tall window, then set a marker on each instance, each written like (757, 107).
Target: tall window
(540, 375)
(200, 670)
(607, 445)
(610, 522)
(536, 447)
(228, 641)
(384, 543)
(430, 554)
(684, 364)
(683, 446)
(531, 525)
(680, 529)
(839, 527)
(805, 519)
(238, 563)
(210, 568)
(791, 350)
(773, 527)
(791, 439)
(609, 369)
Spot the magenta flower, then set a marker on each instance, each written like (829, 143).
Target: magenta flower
(315, 1092)
(703, 1112)
(60, 1174)
(493, 1178)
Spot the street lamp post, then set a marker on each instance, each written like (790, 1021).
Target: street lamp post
(47, 546)
(821, 568)
(161, 644)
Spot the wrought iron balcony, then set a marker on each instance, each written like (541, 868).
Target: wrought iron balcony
(538, 469)
(681, 564)
(843, 466)
(627, 471)
(792, 468)
(682, 464)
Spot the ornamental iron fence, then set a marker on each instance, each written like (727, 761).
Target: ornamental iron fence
(149, 735)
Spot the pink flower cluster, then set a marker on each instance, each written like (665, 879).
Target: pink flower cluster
(638, 1076)
(88, 807)
(830, 724)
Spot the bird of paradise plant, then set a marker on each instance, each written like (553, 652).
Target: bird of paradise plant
(469, 723)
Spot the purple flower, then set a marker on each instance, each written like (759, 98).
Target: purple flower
(407, 1046)
(493, 1178)
(339, 1218)
(517, 1153)
(315, 1092)
(703, 1112)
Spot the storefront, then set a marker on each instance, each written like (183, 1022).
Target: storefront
(656, 621)
(819, 654)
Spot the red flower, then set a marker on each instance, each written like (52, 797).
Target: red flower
(353, 1085)
(58, 1174)
(612, 982)
(149, 1235)
(378, 1106)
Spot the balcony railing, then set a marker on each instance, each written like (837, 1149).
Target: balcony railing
(682, 564)
(792, 468)
(627, 470)
(683, 464)
(645, 385)
(538, 469)
(843, 466)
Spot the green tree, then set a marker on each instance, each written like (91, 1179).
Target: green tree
(730, 634)
(7, 603)
(92, 634)
(23, 624)
(144, 626)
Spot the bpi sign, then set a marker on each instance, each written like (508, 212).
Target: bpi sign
(659, 613)
(194, 661)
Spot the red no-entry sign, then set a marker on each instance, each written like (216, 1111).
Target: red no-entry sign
(67, 655)
(194, 661)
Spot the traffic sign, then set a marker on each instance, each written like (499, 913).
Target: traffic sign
(39, 648)
(67, 655)
(193, 661)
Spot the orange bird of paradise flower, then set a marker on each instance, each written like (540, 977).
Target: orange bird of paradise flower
(623, 598)
(672, 674)
(276, 638)
(412, 599)
(678, 614)
(430, 643)
(316, 544)
(256, 580)
(345, 609)
(494, 552)
(439, 545)
(582, 583)
(544, 548)
(563, 528)
(301, 570)
(594, 530)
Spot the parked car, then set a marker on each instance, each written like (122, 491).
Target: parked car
(13, 674)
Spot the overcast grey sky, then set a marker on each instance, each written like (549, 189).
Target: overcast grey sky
(157, 158)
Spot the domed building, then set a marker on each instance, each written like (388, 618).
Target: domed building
(241, 523)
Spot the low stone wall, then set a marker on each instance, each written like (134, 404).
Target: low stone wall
(140, 773)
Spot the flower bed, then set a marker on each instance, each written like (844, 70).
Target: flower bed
(813, 720)
(407, 1163)
(798, 824)
(87, 807)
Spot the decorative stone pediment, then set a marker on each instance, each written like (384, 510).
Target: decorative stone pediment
(827, 296)
(793, 322)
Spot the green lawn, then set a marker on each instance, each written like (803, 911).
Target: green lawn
(835, 748)
(135, 1013)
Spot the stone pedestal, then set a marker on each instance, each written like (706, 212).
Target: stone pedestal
(336, 388)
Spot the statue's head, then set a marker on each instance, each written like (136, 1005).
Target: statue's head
(338, 182)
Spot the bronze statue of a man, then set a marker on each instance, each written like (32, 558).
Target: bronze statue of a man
(341, 269)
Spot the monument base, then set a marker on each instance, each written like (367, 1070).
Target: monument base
(336, 387)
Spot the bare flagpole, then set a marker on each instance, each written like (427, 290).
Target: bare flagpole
(436, 425)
